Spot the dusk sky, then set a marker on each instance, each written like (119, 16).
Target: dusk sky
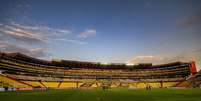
(119, 31)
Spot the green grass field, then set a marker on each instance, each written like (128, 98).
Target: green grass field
(108, 95)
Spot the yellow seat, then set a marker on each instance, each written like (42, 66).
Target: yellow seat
(12, 82)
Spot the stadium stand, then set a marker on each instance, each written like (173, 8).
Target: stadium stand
(21, 71)
(192, 81)
(9, 82)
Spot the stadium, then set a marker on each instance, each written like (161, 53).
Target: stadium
(20, 72)
(100, 50)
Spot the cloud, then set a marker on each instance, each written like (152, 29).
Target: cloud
(87, 33)
(185, 56)
(39, 52)
(51, 34)
(44, 30)
(163, 59)
(197, 50)
(37, 33)
(145, 59)
(21, 34)
(33, 39)
(34, 52)
(72, 41)
(76, 42)
(193, 21)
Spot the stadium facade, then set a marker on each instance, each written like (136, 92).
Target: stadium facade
(19, 71)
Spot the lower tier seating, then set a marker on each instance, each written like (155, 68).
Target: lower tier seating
(44, 82)
(36, 84)
(68, 85)
(51, 84)
(12, 82)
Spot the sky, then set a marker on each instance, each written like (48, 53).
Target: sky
(118, 31)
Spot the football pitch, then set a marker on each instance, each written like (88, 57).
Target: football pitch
(107, 95)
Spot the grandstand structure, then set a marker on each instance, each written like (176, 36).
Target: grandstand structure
(20, 71)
